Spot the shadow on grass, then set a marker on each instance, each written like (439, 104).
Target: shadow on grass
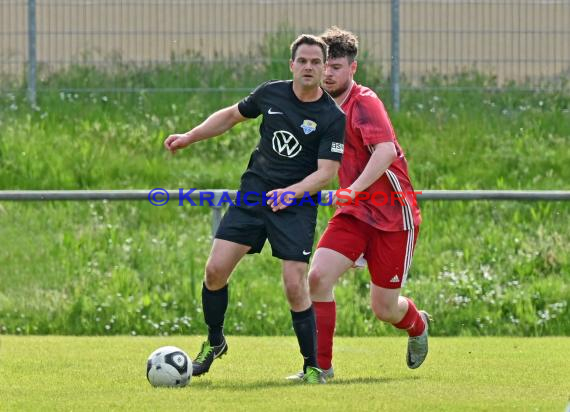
(240, 386)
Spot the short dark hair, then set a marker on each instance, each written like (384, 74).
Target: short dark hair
(310, 40)
(342, 43)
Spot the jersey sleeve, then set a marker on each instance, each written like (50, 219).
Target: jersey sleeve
(370, 120)
(249, 106)
(331, 146)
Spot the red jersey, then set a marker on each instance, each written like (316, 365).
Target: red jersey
(367, 123)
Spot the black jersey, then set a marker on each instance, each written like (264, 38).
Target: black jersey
(294, 135)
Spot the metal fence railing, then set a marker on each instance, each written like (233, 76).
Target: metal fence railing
(215, 202)
(525, 41)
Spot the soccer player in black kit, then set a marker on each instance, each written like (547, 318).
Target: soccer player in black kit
(298, 153)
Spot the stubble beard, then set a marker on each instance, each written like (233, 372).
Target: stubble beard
(337, 92)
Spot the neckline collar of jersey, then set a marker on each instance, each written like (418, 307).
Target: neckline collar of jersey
(302, 102)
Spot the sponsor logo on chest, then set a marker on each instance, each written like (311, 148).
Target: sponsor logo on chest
(286, 144)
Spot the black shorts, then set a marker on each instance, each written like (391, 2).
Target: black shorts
(290, 231)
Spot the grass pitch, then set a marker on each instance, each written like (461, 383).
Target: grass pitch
(108, 373)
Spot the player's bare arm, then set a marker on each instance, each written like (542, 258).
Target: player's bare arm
(382, 157)
(216, 124)
(326, 170)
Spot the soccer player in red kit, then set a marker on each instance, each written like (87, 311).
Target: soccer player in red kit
(381, 224)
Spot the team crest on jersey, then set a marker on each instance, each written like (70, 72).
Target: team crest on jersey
(308, 126)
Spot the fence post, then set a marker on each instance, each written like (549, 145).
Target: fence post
(216, 219)
(395, 61)
(217, 210)
(32, 57)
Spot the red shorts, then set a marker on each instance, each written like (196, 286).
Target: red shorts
(389, 254)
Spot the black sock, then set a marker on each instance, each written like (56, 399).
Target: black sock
(305, 327)
(214, 304)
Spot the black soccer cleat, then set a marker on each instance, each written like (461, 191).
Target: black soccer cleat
(206, 357)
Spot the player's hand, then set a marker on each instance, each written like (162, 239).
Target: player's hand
(279, 199)
(176, 141)
(343, 200)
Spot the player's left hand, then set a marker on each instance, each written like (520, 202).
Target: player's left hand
(279, 199)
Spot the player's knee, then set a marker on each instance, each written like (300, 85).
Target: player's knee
(384, 311)
(215, 276)
(318, 281)
(295, 289)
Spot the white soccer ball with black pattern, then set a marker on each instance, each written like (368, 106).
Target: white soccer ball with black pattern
(169, 366)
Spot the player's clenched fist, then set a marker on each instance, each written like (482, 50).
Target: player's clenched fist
(176, 141)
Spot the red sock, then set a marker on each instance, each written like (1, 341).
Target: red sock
(412, 321)
(326, 321)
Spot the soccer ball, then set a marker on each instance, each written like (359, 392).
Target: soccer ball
(169, 366)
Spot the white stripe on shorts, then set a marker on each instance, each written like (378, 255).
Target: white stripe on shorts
(409, 254)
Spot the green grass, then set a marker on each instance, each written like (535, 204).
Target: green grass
(467, 374)
(122, 268)
(483, 268)
(472, 140)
